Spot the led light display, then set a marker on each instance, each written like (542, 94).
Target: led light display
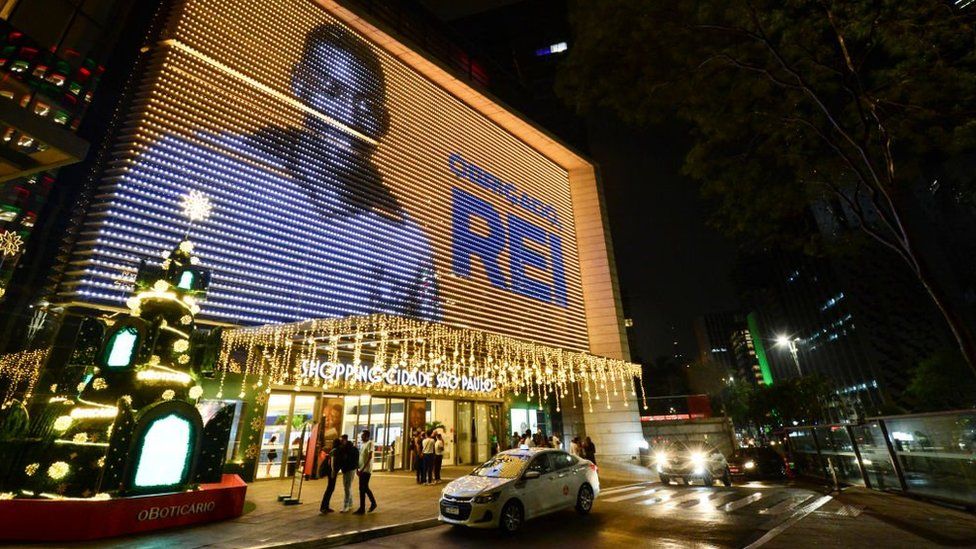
(165, 453)
(339, 181)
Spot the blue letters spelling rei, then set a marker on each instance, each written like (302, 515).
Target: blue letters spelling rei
(467, 243)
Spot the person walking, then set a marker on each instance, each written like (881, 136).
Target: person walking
(438, 457)
(589, 450)
(365, 471)
(428, 449)
(348, 463)
(330, 467)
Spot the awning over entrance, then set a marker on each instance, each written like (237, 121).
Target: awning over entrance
(400, 355)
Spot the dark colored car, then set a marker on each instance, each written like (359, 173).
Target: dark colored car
(759, 463)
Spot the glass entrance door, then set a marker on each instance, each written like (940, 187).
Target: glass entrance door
(384, 418)
(465, 432)
(282, 442)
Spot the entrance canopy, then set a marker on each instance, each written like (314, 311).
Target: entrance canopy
(381, 353)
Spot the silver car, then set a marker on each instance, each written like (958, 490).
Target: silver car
(517, 485)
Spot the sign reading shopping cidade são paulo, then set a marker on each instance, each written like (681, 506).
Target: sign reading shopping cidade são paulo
(404, 377)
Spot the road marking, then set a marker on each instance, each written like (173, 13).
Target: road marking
(631, 496)
(793, 519)
(732, 506)
(662, 497)
(697, 498)
(622, 489)
(787, 504)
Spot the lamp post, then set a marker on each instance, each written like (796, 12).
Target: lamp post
(784, 340)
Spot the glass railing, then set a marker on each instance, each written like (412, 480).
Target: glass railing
(928, 455)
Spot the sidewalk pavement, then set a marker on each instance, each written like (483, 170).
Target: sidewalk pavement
(268, 523)
(860, 517)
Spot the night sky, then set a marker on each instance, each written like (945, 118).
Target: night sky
(672, 267)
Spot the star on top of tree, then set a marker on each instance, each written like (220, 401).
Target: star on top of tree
(196, 206)
(10, 243)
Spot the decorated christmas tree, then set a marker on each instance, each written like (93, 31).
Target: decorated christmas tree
(130, 426)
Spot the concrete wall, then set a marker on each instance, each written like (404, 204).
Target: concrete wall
(615, 429)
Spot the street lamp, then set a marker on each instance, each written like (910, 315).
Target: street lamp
(783, 340)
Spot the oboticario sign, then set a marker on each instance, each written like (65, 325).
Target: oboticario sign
(348, 373)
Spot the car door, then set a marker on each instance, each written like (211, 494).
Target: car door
(536, 493)
(570, 475)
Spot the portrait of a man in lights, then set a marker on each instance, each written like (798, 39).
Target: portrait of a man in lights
(304, 226)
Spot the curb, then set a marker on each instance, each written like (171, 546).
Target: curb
(359, 536)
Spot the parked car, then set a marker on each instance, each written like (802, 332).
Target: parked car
(517, 485)
(691, 463)
(759, 463)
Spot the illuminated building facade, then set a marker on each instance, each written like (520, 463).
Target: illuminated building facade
(352, 177)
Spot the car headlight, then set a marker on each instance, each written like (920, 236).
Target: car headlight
(697, 458)
(487, 498)
(749, 464)
(661, 457)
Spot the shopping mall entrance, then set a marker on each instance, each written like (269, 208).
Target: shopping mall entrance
(471, 429)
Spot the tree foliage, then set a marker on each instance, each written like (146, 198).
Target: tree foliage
(764, 407)
(848, 104)
(940, 382)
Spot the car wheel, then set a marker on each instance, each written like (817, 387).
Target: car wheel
(708, 480)
(727, 478)
(511, 518)
(665, 479)
(584, 500)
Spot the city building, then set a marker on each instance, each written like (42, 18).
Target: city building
(713, 333)
(389, 246)
(63, 63)
(749, 354)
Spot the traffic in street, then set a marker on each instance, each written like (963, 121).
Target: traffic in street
(652, 514)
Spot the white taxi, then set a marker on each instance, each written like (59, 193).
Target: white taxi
(517, 485)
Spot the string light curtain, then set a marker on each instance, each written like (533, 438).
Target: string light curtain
(19, 372)
(380, 352)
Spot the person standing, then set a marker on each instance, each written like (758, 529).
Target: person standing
(574, 447)
(589, 450)
(416, 446)
(428, 449)
(555, 442)
(365, 471)
(516, 439)
(272, 454)
(349, 462)
(330, 467)
(438, 457)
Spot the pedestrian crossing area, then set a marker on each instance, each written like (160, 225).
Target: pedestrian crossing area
(769, 501)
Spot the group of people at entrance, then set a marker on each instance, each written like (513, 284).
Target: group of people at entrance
(428, 451)
(348, 461)
(580, 448)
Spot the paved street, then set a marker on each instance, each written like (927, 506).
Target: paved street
(653, 515)
(631, 511)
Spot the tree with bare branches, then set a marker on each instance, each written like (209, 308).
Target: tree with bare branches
(794, 101)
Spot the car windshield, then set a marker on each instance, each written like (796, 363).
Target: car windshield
(502, 466)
